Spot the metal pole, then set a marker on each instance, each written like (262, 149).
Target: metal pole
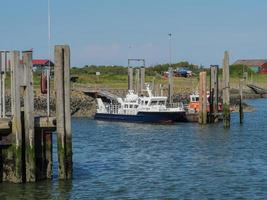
(49, 57)
(170, 48)
(170, 87)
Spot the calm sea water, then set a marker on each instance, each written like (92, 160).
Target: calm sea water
(142, 161)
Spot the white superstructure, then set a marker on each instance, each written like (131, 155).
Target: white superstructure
(132, 104)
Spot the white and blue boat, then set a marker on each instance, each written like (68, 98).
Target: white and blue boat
(143, 109)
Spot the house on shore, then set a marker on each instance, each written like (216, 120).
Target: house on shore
(42, 64)
(257, 65)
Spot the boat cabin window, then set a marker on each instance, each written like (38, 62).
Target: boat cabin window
(153, 103)
(146, 102)
(131, 106)
(135, 106)
(195, 99)
(161, 103)
(125, 106)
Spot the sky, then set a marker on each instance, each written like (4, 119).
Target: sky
(108, 32)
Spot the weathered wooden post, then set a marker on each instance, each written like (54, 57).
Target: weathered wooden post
(142, 81)
(130, 78)
(170, 86)
(202, 118)
(62, 83)
(29, 117)
(12, 168)
(241, 113)
(137, 80)
(214, 93)
(226, 91)
(1, 89)
(5, 68)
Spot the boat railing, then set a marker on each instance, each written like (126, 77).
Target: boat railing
(175, 105)
(113, 108)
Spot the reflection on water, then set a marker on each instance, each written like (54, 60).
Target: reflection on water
(142, 161)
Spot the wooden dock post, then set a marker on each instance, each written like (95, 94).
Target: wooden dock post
(142, 80)
(62, 83)
(1, 89)
(226, 91)
(137, 80)
(241, 113)
(214, 90)
(170, 86)
(29, 117)
(130, 78)
(202, 119)
(5, 68)
(12, 161)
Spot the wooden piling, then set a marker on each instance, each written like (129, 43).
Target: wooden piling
(214, 90)
(12, 168)
(202, 119)
(142, 80)
(62, 83)
(241, 113)
(226, 91)
(137, 80)
(29, 117)
(1, 90)
(130, 78)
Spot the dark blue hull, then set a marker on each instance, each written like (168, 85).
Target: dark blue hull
(145, 117)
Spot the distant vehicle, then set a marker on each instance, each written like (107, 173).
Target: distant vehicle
(180, 72)
(183, 72)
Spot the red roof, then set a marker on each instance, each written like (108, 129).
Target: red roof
(40, 62)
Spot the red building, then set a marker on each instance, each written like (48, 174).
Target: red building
(258, 66)
(41, 64)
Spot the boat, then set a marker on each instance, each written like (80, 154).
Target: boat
(193, 106)
(143, 109)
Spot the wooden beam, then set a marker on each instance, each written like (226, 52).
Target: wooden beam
(62, 83)
(226, 91)
(30, 158)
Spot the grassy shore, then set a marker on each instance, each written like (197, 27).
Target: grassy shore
(181, 84)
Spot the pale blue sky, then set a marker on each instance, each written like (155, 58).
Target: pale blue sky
(111, 31)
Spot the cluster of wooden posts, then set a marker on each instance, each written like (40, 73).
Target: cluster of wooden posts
(204, 117)
(137, 83)
(26, 139)
(213, 114)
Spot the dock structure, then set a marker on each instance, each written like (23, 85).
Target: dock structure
(226, 91)
(25, 139)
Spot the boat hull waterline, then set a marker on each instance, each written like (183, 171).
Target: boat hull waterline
(144, 117)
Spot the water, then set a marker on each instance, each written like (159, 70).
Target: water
(142, 161)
